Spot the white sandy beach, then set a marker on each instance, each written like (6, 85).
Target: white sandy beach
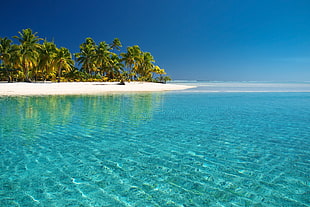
(76, 88)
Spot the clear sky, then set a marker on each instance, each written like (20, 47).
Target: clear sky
(191, 39)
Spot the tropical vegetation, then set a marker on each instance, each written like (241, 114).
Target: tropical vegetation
(35, 59)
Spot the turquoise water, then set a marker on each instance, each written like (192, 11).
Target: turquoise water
(156, 149)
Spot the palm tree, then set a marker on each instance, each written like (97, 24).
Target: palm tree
(131, 59)
(9, 57)
(5, 46)
(115, 67)
(28, 51)
(14, 61)
(102, 57)
(116, 44)
(5, 56)
(145, 66)
(63, 61)
(128, 58)
(86, 55)
(159, 71)
(48, 52)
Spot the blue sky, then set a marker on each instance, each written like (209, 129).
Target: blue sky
(191, 39)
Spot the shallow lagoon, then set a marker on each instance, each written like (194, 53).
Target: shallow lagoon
(156, 149)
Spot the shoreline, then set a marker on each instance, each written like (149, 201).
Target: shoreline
(83, 88)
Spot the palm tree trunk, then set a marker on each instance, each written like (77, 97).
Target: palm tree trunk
(27, 79)
(59, 72)
(10, 79)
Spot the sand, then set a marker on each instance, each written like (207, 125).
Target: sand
(79, 88)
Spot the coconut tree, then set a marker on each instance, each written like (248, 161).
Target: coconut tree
(9, 57)
(5, 47)
(115, 68)
(14, 62)
(145, 66)
(102, 57)
(128, 58)
(159, 71)
(131, 59)
(47, 53)
(116, 44)
(63, 61)
(5, 56)
(28, 51)
(85, 57)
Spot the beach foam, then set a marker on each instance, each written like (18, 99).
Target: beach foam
(76, 88)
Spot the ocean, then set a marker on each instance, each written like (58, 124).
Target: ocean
(220, 144)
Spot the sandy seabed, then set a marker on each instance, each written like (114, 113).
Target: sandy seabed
(79, 88)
